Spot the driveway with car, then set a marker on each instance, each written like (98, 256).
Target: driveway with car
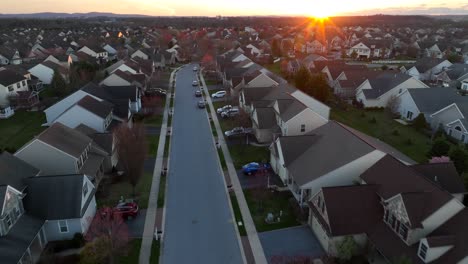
(199, 226)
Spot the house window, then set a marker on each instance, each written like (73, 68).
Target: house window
(422, 251)
(23, 83)
(409, 115)
(403, 231)
(8, 221)
(302, 128)
(10, 88)
(63, 226)
(399, 91)
(458, 128)
(18, 85)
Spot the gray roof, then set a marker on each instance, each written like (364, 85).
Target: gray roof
(457, 70)
(99, 108)
(9, 77)
(444, 175)
(65, 139)
(289, 108)
(119, 96)
(434, 99)
(384, 83)
(427, 63)
(56, 197)
(18, 239)
(14, 171)
(266, 117)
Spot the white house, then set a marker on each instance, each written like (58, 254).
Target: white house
(361, 51)
(11, 83)
(426, 69)
(44, 71)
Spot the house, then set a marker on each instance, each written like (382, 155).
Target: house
(348, 81)
(38, 209)
(442, 107)
(309, 60)
(126, 99)
(330, 155)
(360, 50)
(44, 71)
(397, 210)
(379, 90)
(101, 55)
(426, 69)
(62, 150)
(454, 75)
(120, 78)
(11, 83)
(9, 56)
(316, 47)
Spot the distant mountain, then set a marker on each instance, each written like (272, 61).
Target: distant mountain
(46, 15)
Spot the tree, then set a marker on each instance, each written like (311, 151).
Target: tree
(455, 58)
(393, 105)
(412, 52)
(420, 122)
(302, 78)
(440, 147)
(354, 54)
(58, 84)
(275, 48)
(317, 87)
(131, 149)
(459, 156)
(347, 248)
(109, 236)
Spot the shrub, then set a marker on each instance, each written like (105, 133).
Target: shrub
(419, 123)
(78, 240)
(373, 120)
(459, 156)
(440, 147)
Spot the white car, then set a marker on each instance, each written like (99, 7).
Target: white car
(224, 108)
(194, 83)
(195, 68)
(219, 94)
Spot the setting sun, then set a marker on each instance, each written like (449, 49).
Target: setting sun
(320, 10)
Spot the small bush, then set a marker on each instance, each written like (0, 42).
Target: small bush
(373, 120)
(363, 114)
(395, 132)
(78, 240)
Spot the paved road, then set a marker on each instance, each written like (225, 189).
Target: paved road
(199, 226)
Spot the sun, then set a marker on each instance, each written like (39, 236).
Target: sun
(320, 11)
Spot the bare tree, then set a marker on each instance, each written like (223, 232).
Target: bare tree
(393, 105)
(131, 149)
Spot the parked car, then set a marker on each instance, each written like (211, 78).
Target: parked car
(254, 167)
(218, 94)
(223, 109)
(127, 210)
(194, 83)
(201, 104)
(198, 93)
(238, 131)
(195, 68)
(230, 113)
(156, 91)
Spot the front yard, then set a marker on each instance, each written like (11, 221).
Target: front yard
(379, 125)
(262, 202)
(243, 154)
(19, 129)
(133, 253)
(110, 193)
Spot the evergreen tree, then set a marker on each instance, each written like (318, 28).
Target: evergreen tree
(459, 156)
(58, 84)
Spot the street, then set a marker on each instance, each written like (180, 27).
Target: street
(199, 226)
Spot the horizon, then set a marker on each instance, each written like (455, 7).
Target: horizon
(209, 8)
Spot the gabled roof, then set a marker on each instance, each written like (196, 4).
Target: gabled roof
(99, 108)
(289, 108)
(434, 99)
(65, 139)
(427, 63)
(444, 175)
(14, 170)
(9, 77)
(57, 197)
(266, 117)
(384, 83)
(351, 209)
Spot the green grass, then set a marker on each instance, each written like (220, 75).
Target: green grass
(213, 129)
(169, 121)
(243, 154)
(155, 251)
(210, 82)
(20, 128)
(383, 129)
(162, 192)
(155, 120)
(222, 160)
(237, 214)
(166, 146)
(262, 201)
(132, 254)
(153, 142)
(171, 103)
(124, 188)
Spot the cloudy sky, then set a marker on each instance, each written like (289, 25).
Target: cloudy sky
(239, 7)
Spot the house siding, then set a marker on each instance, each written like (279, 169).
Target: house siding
(309, 118)
(88, 216)
(53, 233)
(46, 158)
(442, 118)
(77, 115)
(312, 103)
(406, 105)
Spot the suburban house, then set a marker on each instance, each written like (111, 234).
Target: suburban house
(9, 56)
(348, 81)
(379, 90)
(330, 155)
(315, 47)
(61, 150)
(309, 60)
(361, 51)
(442, 107)
(44, 71)
(101, 55)
(120, 78)
(11, 83)
(396, 209)
(39, 209)
(454, 75)
(126, 99)
(426, 69)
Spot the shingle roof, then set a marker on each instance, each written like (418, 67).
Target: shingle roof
(427, 63)
(434, 99)
(384, 83)
(289, 108)
(440, 241)
(14, 170)
(57, 197)
(266, 117)
(99, 108)
(65, 139)
(444, 175)
(19, 238)
(9, 77)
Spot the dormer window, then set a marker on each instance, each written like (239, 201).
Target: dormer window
(422, 251)
(403, 231)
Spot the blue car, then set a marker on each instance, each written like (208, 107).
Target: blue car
(253, 167)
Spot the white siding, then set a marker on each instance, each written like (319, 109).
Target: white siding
(309, 118)
(407, 104)
(88, 216)
(53, 233)
(57, 109)
(450, 114)
(77, 115)
(312, 103)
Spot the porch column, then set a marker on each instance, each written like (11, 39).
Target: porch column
(302, 195)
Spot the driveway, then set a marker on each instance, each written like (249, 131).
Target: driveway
(258, 180)
(136, 225)
(199, 225)
(295, 242)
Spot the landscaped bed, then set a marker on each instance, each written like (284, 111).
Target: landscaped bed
(263, 201)
(380, 125)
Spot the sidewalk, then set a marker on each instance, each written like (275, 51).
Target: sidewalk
(255, 244)
(150, 221)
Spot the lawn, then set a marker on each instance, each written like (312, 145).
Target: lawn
(211, 82)
(19, 129)
(133, 253)
(111, 192)
(237, 214)
(155, 120)
(243, 154)
(153, 142)
(407, 140)
(262, 201)
(162, 192)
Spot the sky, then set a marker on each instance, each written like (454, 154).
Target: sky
(239, 7)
